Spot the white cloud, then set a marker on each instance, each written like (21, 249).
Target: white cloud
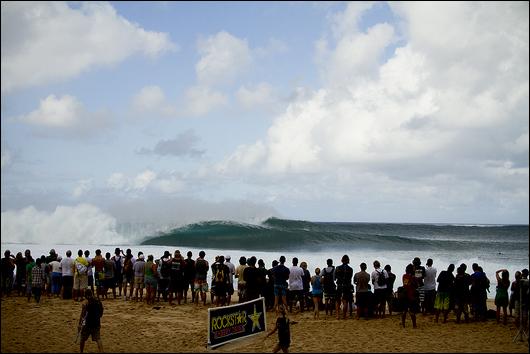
(62, 112)
(260, 95)
(223, 58)
(145, 182)
(83, 223)
(435, 108)
(152, 99)
(45, 42)
(83, 186)
(65, 116)
(169, 185)
(201, 99)
(117, 181)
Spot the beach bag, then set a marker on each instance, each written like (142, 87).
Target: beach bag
(381, 279)
(81, 268)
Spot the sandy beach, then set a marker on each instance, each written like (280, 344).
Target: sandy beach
(135, 327)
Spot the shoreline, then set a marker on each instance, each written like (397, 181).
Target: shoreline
(127, 326)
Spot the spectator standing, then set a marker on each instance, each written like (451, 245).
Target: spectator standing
(379, 277)
(56, 275)
(189, 276)
(408, 297)
(296, 286)
(67, 270)
(429, 288)
(390, 287)
(343, 276)
(330, 289)
(281, 276)
(316, 292)
(501, 297)
(446, 281)
(361, 280)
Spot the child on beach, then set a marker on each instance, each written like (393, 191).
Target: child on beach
(284, 334)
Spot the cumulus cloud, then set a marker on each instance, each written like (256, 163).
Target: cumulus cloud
(453, 95)
(83, 223)
(45, 42)
(145, 181)
(65, 116)
(182, 145)
(260, 95)
(223, 58)
(152, 99)
(202, 99)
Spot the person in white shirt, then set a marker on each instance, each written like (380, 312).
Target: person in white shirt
(56, 275)
(429, 288)
(379, 288)
(296, 286)
(67, 272)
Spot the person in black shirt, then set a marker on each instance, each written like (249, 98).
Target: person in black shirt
(89, 322)
(343, 276)
(284, 333)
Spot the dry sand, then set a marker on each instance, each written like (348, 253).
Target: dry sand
(51, 326)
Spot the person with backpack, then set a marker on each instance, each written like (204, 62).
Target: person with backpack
(343, 276)
(118, 269)
(201, 284)
(221, 279)
(90, 321)
(80, 276)
(329, 287)
(379, 279)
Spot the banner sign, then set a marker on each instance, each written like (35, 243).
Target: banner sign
(228, 323)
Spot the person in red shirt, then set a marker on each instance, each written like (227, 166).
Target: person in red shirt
(409, 298)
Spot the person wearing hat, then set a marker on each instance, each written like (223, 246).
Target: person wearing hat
(139, 277)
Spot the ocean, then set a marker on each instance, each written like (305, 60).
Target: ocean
(491, 246)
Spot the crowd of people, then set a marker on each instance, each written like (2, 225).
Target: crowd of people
(331, 289)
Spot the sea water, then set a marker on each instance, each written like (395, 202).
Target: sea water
(491, 246)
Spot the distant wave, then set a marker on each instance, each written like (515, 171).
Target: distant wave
(281, 234)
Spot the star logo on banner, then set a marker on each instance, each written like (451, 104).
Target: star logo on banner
(255, 319)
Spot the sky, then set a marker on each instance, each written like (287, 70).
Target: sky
(166, 113)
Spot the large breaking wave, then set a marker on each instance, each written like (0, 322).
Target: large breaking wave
(279, 234)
